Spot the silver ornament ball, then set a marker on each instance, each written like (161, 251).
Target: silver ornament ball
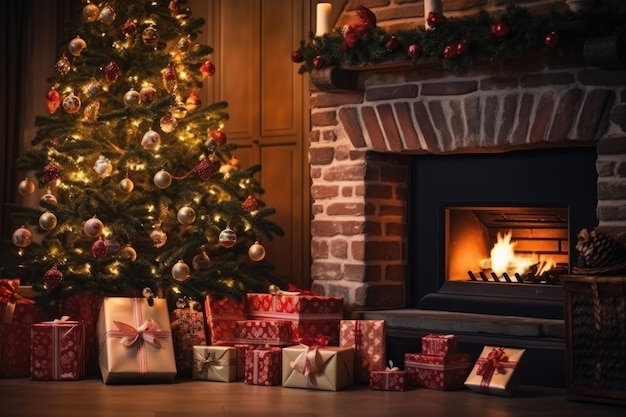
(180, 271)
(47, 221)
(162, 179)
(132, 98)
(186, 215)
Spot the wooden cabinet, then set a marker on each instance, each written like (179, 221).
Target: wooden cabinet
(268, 108)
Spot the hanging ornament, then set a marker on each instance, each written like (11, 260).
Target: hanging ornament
(168, 123)
(186, 215)
(132, 97)
(250, 204)
(273, 289)
(227, 238)
(392, 44)
(434, 19)
(128, 253)
(207, 69)
(48, 197)
(414, 50)
(158, 237)
(201, 262)
(90, 12)
(107, 15)
(47, 220)
(150, 36)
(162, 179)
(92, 112)
(147, 94)
(205, 169)
(92, 88)
(112, 71)
(63, 65)
(53, 100)
(218, 136)
(93, 227)
(318, 62)
(180, 271)
(193, 102)
(103, 166)
(500, 29)
(51, 172)
(256, 252)
(76, 46)
(126, 185)
(99, 249)
(297, 56)
(179, 110)
(226, 169)
(22, 237)
(113, 246)
(552, 40)
(52, 278)
(26, 187)
(129, 29)
(170, 79)
(183, 44)
(71, 103)
(151, 140)
(450, 51)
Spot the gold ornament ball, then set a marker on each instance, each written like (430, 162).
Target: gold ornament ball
(226, 169)
(132, 98)
(147, 95)
(186, 215)
(179, 110)
(180, 271)
(256, 252)
(273, 289)
(126, 185)
(91, 12)
(47, 221)
(128, 253)
(22, 237)
(158, 237)
(26, 187)
(162, 179)
(76, 46)
(48, 197)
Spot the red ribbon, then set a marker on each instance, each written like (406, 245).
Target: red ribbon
(149, 332)
(306, 362)
(10, 297)
(496, 361)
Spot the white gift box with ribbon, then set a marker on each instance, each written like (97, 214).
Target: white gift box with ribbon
(328, 368)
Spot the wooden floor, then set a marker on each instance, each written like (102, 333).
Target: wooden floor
(186, 398)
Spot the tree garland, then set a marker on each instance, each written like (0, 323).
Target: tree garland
(457, 42)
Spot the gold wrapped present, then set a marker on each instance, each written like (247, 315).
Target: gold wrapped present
(327, 368)
(495, 371)
(215, 363)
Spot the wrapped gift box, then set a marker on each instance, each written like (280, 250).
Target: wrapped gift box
(57, 350)
(263, 332)
(188, 330)
(327, 368)
(263, 366)
(215, 363)
(221, 315)
(443, 373)
(242, 349)
(312, 316)
(439, 344)
(495, 371)
(135, 341)
(17, 315)
(368, 338)
(391, 378)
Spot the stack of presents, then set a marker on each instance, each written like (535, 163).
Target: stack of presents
(295, 339)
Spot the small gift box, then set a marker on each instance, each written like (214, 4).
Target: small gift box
(391, 379)
(444, 373)
(439, 344)
(57, 350)
(17, 315)
(242, 349)
(215, 363)
(310, 366)
(263, 332)
(135, 341)
(368, 338)
(188, 330)
(221, 315)
(495, 371)
(263, 366)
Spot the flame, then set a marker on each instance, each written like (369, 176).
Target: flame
(503, 257)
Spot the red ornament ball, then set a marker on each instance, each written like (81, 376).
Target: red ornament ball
(500, 29)
(250, 204)
(205, 169)
(51, 172)
(52, 277)
(99, 249)
(129, 29)
(461, 47)
(367, 17)
(450, 51)
(434, 19)
(53, 100)
(552, 40)
(112, 71)
(318, 62)
(218, 136)
(296, 56)
(392, 44)
(350, 39)
(414, 50)
(207, 69)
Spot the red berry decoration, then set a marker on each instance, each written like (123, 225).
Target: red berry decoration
(461, 47)
(99, 249)
(552, 40)
(51, 172)
(392, 44)
(205, 169)
(434, 19)
(296, 56)
(500, 29)
(367, 17)
(53, 100)
(218, 136)
(414, 50)
(207, 69)
(112, 71)
(52, 277)
(450, 51)
(318, 62)
(250, 204)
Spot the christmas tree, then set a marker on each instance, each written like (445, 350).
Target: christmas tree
(141, 192)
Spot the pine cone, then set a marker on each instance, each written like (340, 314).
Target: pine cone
(597, 249)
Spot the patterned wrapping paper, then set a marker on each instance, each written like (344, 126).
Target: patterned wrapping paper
(221, 315)
(263, 366)
(312, 316)
(57, 351)
(214, 363)
(495, 371)
(17, 315)
(439, 344)
(135, 341)
(368, 338)
(242, 349)
(263, 332)
(328, 368)
(188, 330)
(444, 373)
(85, 307)
(390, 379)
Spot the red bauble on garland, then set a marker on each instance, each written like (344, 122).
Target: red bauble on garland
(414, 50)
(350, 38)
(500, 29)
(296, 56)
(367, 17)
(392, 44)
(318, 62)
(434, 19)
(450, 51)
(461, 47)
(551, 40)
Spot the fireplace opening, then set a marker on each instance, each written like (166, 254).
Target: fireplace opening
(463, 207)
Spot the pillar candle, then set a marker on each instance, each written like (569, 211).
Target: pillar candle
(431, 6)
(322, 22)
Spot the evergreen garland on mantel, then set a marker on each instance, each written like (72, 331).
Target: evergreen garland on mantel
(459, 42)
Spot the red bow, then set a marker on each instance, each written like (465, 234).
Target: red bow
(10, 297)
(306, 362)
(149, 332)
(492, 364)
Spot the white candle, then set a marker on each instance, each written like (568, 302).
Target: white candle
(322, 20)
(431, 6)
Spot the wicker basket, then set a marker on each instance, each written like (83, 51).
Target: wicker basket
(595, 323)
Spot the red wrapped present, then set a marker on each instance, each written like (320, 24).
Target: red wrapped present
(135, 341)
(263, 332)
(368, 338)
(263, 366)
(215, 363)
(17, 315)
(390, 379)
(85, 306)
(57, 350)
(221, 315)
(495, 371)
(312, 316)
(439, 344)
(188, 330)
(242, 349)
(444, 373)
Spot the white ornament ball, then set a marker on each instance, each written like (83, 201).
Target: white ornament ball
(132, 98)
(103, 166)
(128, 253)
(107, 15)
(126, 185)
(228, 238)
(151, 140)
(256, 252)
(26, 187)
(93, 227)
(180, 271)
(22, 237)
(71, 103)
(186, 215)
(162, 179)
(76, 46)
(47, 221)
(158, 237)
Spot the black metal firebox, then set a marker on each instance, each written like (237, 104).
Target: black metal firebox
(547, 194)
